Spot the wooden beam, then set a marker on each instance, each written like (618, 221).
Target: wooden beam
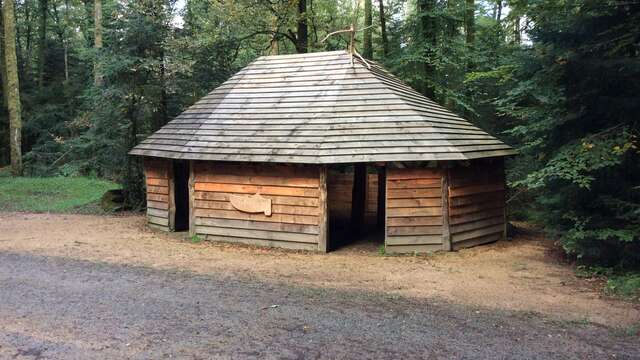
(192, 192)
(382, 195)
(172, 195)
(359, 197)
(446, 230)
(323, 222)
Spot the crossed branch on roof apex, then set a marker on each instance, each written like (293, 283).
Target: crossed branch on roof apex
(352, 30)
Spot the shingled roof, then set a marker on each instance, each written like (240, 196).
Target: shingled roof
(318, 108)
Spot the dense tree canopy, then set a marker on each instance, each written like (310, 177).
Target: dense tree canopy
(555, 78)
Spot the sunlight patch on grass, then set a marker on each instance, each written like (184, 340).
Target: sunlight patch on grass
(51, 194)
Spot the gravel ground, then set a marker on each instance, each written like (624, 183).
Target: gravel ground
(55, 307)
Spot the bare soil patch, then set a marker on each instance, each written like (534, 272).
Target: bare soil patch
(518, 275)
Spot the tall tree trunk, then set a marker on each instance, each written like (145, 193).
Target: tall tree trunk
(428, 32)
(302, 37)
(367, 52)
(97, 44)
(499, 15)
(470, 29)
(29, 43)
(42, 41)
(66, 41)
(383, 30)
(13, 88)
(3, 67)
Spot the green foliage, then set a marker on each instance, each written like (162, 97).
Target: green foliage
(52, 194)
(626, 286)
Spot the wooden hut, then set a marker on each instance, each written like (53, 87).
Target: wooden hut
(295, 150)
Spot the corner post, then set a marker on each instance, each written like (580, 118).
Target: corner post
(446, 231)
(323, 221)
(192, 183)
(172, 195)
(382, 191)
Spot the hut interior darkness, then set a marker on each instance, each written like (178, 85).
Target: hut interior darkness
(309, 151)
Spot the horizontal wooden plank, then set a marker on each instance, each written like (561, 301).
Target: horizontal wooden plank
(414, 240)
(477, 198)
(158, 213)
(234, 214)
(461, 219)
(477, 233)
(257, 234)
(476, 241)
(478, 207)
(157, 205)
(257, 225)
(157, 182)
(276, 209)
(409, 249)
(257, 180)
(158, 220)
(276, 200)
(158, 227)
(475, 189)
(413, 193)
(414, 230)
(252, 189)
(158, 197)
(414, 183)
(419, 202)
(413, 212)
(407, 174)
(263, 243)
(477, 224)
(415, 221)
(164, 190)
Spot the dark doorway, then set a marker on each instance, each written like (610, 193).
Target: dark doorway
(356, 216)
(181, 194)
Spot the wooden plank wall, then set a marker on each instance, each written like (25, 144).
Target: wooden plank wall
(476, 203)
(158, 179)
(293, 190)
(340, 190)
(371, 211)
(414, 210)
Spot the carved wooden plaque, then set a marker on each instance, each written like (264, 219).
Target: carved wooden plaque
(251, 204)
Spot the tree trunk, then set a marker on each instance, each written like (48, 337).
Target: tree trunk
(66, 41)
(428, 32)
(470, 29)
(42, 41)
(302, 37)
(517, 36)
(13, 88)
(499, 16)
(3, 67)
(367, 52)
(383, 30)
(97, 21)
(27, 59)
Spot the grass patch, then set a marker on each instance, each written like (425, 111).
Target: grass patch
(52, 194)
(626, 286)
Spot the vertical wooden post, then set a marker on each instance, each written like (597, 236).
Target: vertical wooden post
(192, 184)
(446, 231)
(386, 206)
(323, 223)
(359, 198)
(172, 195)
(382, 194)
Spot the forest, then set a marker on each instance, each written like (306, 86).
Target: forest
(83, 81)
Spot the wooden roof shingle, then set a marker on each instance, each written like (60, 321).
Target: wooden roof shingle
(318, 108)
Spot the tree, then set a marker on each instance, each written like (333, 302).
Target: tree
(13, 87)
(97, 16)
(367, 51)
(302, 36)
(383, 29)
(428, 27)
(42, 41)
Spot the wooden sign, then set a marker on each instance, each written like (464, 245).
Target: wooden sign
(251, 204)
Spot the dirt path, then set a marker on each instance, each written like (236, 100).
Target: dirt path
(61, 308)
(519, 275)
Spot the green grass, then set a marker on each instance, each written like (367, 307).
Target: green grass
(51, 194)
(626, 286)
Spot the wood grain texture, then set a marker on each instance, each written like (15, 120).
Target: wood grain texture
(295, 196)
(414, 210)
(318, 108)
(158, 180)
(477, 203)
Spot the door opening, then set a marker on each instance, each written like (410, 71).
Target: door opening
(181, 195)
